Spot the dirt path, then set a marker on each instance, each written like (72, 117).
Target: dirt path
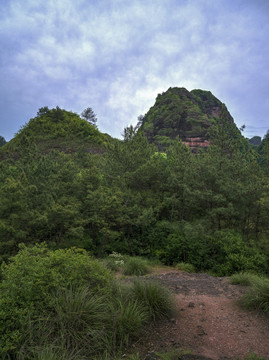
(209, 321)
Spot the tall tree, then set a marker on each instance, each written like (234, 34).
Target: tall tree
(89, 115)
(2, 141)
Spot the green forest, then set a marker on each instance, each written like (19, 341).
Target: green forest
(64, 183)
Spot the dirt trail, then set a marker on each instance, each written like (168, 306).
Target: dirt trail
(209, 322)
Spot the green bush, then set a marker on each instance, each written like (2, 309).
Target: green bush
(155, 298)
(114, 261)
(232, 255)
(243, 278)
(129, 319)
(64, 305)
(30, 281)
(79, 324)
(224, 253)
(257, 297)
(135, 266)
(185, 267)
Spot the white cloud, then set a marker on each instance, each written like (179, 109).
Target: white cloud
(116, 56)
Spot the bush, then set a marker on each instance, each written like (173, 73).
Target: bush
(232, 255)
(185, 267)
(129, 319)
(155, 298)
(257, 297)
(243, 278)
(135, 266)
(30, 281)
(114, 261)
(64, 305)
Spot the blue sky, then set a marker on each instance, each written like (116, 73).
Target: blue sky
(117, 55)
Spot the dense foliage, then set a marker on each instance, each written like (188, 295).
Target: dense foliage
(63, 304)
(31, 281)
(55, 129)
(210, 210)
(2, 141)
(178, 113)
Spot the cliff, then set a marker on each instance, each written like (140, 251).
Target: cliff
(185, 115)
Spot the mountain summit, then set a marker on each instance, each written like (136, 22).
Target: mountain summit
(183, 114)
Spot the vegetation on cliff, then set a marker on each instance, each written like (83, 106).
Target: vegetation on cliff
(178, 113)
(56, 129)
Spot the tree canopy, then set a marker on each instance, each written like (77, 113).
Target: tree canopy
(65, 183)
(89, 115)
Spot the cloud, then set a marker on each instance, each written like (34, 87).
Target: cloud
(116, 56)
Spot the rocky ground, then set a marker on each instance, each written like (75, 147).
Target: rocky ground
(209, 322)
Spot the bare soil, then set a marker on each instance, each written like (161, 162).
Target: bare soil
(209, 322)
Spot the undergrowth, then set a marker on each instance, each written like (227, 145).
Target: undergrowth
(257, 296)
(156, 299)
(185, 267)
(253, 356)
(68, 307)
(243, 278)
(136, 266)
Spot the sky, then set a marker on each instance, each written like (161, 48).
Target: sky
(116, 56)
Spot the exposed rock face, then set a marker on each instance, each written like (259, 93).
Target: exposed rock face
(196, 143)
(185, 115)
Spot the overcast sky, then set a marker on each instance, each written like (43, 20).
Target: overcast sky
(117, 55)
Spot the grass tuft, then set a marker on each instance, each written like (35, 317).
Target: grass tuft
(155, 298)
(135, 266)
(185, 267)
(243, 278)
(129, 319)
(253, 356)
(257, 298)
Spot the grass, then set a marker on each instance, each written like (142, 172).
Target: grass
(129, 319)
(243, 278)
(185, 267)
(83, 325)
(257, 298)
(156, 299)
(74, 327)
(253, 356)
(135, 266)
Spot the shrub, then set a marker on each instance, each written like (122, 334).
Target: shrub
(257, 297)
(129, 318)
(74, 327)
(155, 298)
(64, 305)
(234, 256)
(30, 281)
(243, 278)
(135, 266)
(114, 261)
(185, 267)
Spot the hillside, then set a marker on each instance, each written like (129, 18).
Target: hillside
(69, 193)
(183, 114)
(64, 182)
(56, 129)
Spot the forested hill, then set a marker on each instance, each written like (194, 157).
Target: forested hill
(178, 113)
(65, 183)
(56, 129)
